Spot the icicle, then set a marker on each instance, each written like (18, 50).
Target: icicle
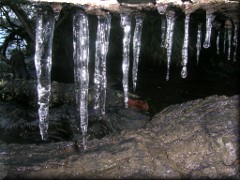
(126, 25)
(224, 40)
(163, 29)
(235, 42)
(209, 19)
(136, 47)
(217, 26)
(100, 78)
(81, 59)
(199, 41)
(43, 64)
(229, 43)
(217, 41)
(185, 46)
(170, 16)
(228, 29)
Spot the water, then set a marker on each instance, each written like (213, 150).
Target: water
(43, 63)
(170, 16)
(100, 78)
(199, 41)
(81, 74)
(209, 19)
(126, 25)
(136, 47)
(185, 46)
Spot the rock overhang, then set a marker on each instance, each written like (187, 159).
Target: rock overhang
(230, 8)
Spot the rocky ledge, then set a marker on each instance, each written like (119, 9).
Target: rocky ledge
(196, 139)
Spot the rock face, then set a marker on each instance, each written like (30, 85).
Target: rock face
(196, 139)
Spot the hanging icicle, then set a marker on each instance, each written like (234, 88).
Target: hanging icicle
(136, 47)
(81, 59)
(224, 40)
(199, 41)
(218, 42)
(170, 16)
(126, 25)
(217, 26)
(209, 19)
(235, 41)
(43, 64)
(229, 44)
(163, 31)
(228, 28)
(100, 77)
(185, 46)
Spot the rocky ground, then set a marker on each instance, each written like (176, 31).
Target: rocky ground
(196, 139)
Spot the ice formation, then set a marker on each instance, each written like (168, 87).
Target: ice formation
(136, 47)
(101, 50)
(163, 31)
(185, 46)
(199, 41)
(209, 19)
(43, 63)
(81, 59)
(126, 25)
(170, 16)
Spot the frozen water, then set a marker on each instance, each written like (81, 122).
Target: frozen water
(199, 41)
(43, 63)
(136, 47)
(185, 46)
(229, 43)
(163, 31)
(228, 26)
(81, 59)
(235, 42)
(126, 25)
(224, 40)
(100, 78)
(218, 41)
(170, 16)
(209, 19)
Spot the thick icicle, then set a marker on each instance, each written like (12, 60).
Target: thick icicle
(185, 46)
(170, 16)
(209, 19)
(136, 47)
(199, 41)
(218, 41)
(235, 41)
(163, 31)
(100, 78)
(43, 64)
(81, 59)
(126, 25)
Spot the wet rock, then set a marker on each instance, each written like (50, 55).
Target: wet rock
(196, 139)
(19, 120)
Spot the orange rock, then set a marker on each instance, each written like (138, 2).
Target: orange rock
(138, 104)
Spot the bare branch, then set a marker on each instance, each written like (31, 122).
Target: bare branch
(23, 19)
